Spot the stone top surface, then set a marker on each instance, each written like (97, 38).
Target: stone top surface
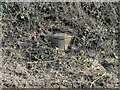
(61, 36)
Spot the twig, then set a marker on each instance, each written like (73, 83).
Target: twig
(96, 80)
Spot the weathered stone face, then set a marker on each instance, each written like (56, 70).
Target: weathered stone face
(60, 40)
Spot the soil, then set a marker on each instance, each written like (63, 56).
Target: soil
(28, 60)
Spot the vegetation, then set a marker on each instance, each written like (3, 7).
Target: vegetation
(30, 61)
